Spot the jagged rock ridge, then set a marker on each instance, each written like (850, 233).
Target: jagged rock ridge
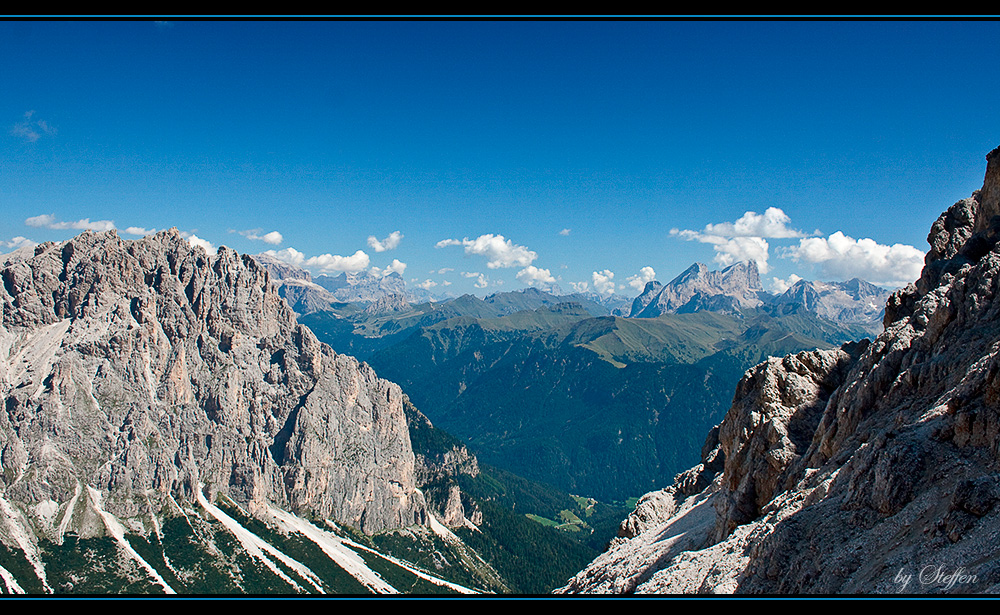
(363, 286)
(873, 468)
(854, 302)
(735, 287)
(144, 369)
(307, 295)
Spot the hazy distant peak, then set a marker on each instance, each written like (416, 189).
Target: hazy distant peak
(739, 282)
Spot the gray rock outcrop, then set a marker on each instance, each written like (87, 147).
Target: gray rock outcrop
(734, 288)
(146, 368)
(871, 469)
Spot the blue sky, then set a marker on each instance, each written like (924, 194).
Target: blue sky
(511, 152)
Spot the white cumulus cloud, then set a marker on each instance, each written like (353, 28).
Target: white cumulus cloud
(564, 232)
(274, 237)
(773, 223)
(194, 240)
(334, 262)
(389, 243)
(779, 286)
(603, 282)
(396, 266)
(18, 242)
(481, 280)
(141, 232)
(579, 287)
(499, 251)
(743, 249)
(84, 224)
(327, 262)
(745, 239)
(731, 250)
(288, 255)
(427, 284)
(842, 257)
(533, 276)
(638, 282)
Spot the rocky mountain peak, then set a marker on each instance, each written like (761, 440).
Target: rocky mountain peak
(143, 369)
(855, 302)
(281, 270)
(729, 290)
(695, 272)
(989, 195)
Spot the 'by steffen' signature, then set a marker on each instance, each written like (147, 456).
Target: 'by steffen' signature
(938, 576)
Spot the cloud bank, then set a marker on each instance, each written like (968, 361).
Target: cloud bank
(638, 282)
(84, 224)
(843, 257)
(325, 262)
(499, 251)
(389, 243)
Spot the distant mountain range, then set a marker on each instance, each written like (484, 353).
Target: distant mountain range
(729, 291)
(697, 289)
(306, 294)
(737, 288)
(535, 382)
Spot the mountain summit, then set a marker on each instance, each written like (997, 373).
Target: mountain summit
(139, 375)
(734, 288)
(854, 302)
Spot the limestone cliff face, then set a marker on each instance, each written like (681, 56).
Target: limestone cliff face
(145, 368)
(734, 288)
(874, 468)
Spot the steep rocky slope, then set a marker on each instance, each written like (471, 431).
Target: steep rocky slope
(873, 468)
(134, 372)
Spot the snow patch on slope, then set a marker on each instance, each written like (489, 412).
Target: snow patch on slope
(336, 550)
(118, 531)
(10, 582)
(420, 573)
(256, 546)
(22, 540)
(69, 512)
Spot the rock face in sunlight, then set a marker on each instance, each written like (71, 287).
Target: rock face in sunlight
(873, 468)
(141, 369)
(734, 288)
(737, 288)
